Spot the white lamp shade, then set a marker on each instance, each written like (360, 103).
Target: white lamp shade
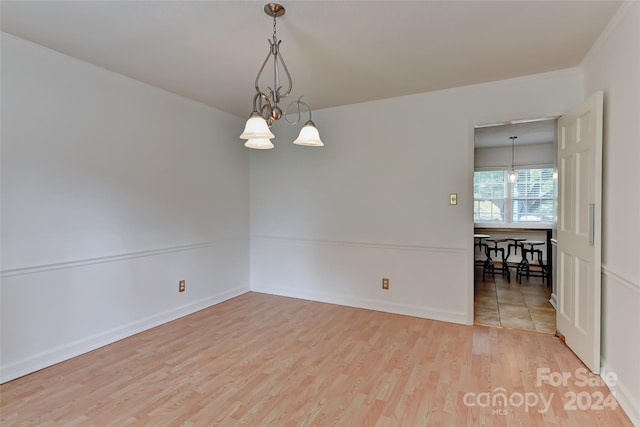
(259, 144)
(256, 128)
(513, 177)
(309, 136)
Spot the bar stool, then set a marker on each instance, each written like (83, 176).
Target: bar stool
(489, 266)
(480, 244)
(517, 243)
(524, 267)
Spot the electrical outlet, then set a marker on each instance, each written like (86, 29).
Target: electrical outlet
(385, 283)
(182, 285)
(453, 198)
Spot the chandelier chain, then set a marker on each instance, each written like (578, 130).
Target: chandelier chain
(274, 29)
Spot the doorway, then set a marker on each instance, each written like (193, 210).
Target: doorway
(513, 212)
(524, 305)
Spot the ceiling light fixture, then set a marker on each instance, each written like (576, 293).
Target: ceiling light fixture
(512, 172)
(265, 106)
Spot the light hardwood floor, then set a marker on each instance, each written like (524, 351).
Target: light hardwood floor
(261, 360)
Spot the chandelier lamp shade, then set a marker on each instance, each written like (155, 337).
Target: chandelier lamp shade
(512, 171)
(266, 104)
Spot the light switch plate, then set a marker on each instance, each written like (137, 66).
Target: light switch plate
(453, 198)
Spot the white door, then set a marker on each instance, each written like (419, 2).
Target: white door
(579, 229)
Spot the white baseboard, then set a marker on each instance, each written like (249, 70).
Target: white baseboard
(627, 401)
(76, 348)
(369, 304)
(554, 301)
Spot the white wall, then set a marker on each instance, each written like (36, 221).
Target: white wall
(613, 65)
(112, 191)
(530, 155)
(327, 224)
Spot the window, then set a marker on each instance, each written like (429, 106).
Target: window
(529, 199)
(489, 196)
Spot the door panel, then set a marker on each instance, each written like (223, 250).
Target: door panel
(583, 275)
(565, 293)
(583, 160)
(579, 232)
(565, 205)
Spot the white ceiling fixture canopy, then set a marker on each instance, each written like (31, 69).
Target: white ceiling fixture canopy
(266, 104)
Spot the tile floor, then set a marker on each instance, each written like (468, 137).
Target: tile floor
(512, 305)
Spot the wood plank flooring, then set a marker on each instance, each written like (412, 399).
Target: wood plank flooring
(262, 360)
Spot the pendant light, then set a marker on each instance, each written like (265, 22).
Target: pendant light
(512, 172)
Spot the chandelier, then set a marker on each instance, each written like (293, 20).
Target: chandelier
(266, 108)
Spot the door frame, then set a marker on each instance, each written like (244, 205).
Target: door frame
(470, 261)
(471, 248)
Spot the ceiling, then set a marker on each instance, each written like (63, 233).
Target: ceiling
(338, 52)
